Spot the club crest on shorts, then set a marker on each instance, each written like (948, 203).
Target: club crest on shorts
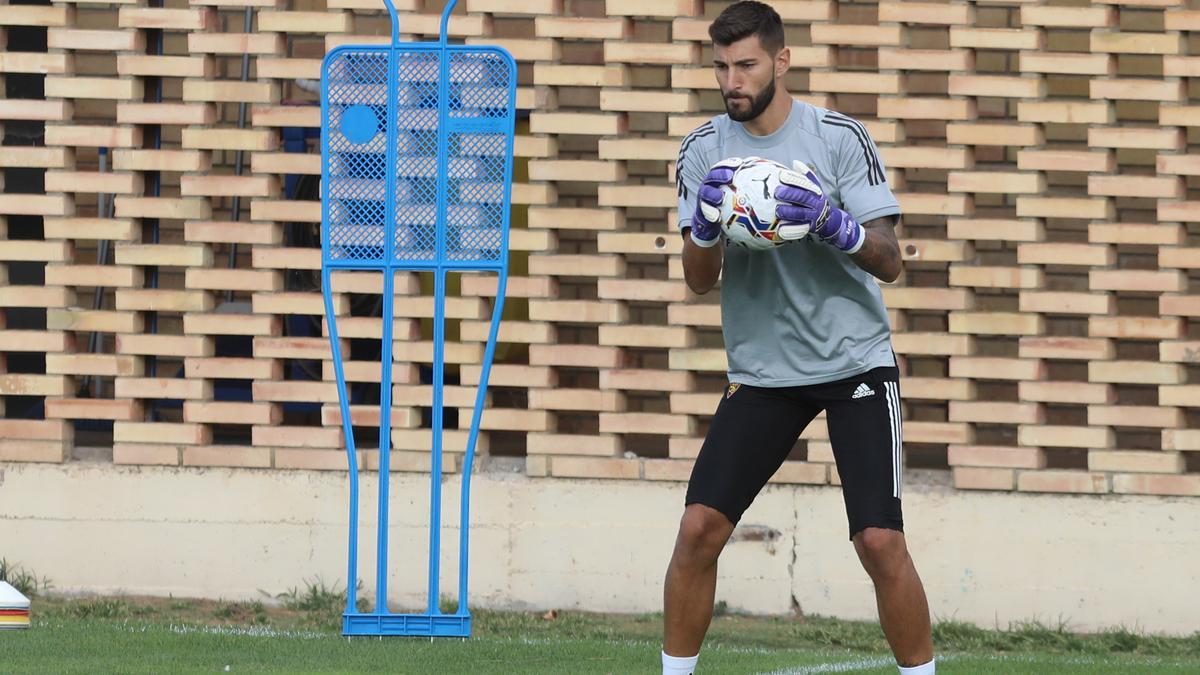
(730, 391)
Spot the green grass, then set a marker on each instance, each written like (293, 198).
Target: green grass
(134, 635)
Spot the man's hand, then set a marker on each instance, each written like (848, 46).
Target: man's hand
(804, 208)
(706, 227)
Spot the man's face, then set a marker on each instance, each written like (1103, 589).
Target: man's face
(746, 75)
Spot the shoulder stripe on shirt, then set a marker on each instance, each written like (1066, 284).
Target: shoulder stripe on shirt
(688, 143)
(704, 130)
(843, 118)
(874, 166)
(864, 138)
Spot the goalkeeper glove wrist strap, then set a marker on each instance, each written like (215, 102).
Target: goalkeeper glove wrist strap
(847, 236)
(862, 238)
(701, 242)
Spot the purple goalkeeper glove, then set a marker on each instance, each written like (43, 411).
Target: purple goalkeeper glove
(706, 226)
(804, 208)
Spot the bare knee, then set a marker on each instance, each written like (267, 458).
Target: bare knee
(882, 552)
(703, 532)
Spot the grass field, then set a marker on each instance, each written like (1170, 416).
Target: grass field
(155, 635)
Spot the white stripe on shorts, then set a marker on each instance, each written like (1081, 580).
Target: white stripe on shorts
(892, 390)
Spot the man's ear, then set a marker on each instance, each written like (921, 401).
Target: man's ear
(783, 62)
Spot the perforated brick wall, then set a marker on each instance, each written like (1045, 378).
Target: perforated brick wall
(1047, 319)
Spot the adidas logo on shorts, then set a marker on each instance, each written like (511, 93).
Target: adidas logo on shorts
(863, 390)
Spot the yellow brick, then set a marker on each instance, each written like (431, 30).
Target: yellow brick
(1135, 461)
(1062, 481)
(588, 467)
(1136, 372)
(973, 478)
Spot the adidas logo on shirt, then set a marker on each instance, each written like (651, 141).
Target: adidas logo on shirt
(863, 390)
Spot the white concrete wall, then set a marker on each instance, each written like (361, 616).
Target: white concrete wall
(988, 558)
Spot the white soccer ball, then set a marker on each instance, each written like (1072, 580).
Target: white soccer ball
(748, 209)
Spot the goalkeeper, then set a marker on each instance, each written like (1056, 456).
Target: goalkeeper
(805, 330)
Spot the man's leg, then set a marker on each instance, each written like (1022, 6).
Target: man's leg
(691, 583)
(903, 610)
(865, 430)
(751, 434)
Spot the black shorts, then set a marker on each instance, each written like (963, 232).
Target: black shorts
(755, 428)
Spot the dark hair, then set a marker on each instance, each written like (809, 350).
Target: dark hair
(743, 19)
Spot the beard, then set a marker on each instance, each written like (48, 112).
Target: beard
(757, 105)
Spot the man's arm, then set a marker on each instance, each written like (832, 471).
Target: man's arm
(701, 266)
(862, 182)
(699, 201)
(880, 252)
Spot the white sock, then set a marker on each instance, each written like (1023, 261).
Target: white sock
(679, 665)
(924, 669)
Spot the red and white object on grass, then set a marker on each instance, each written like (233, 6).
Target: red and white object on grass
(14, 608)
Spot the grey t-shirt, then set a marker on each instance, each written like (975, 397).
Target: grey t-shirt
(802, 313)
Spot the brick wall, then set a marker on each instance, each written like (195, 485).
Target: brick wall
(1046, 319)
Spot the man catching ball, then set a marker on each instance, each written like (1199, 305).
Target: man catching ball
(805, 330)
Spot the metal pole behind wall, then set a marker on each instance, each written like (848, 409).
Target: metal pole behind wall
(154, 189)
(239, 158)
(102, 211)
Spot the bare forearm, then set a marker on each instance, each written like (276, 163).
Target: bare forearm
(880, 253)
(701, 266)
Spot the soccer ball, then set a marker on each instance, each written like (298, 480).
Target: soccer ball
(748, 209)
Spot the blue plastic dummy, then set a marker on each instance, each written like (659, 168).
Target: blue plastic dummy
(416, 171)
